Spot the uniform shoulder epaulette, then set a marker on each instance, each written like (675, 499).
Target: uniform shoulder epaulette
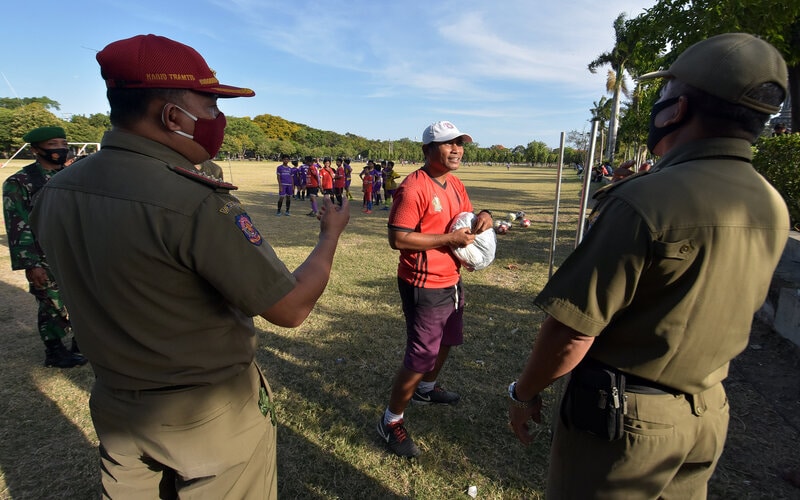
(203, 178)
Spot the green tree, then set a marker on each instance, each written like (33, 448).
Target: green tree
(80, 129)
(18, 102)
(19, 121)
(6, 115)
(275, 127)
(635, 124)
(100, 120)
(242, 135)
(537, 152)
(777, 158)
(601, 113)
(617, 58)
(674, 25)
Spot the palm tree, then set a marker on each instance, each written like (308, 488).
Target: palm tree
(601, 112)
(618, 58)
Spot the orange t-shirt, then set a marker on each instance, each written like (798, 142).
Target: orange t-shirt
(423, 205)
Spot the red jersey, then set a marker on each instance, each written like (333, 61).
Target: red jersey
(326, 178)
(368, 183)
(338, 181)
(313, 176)
(423, 205)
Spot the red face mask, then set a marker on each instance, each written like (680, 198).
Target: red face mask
(207, 132)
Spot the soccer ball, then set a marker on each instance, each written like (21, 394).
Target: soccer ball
(498, 223)
(503, 228)
(520, 214)
(512, 216)
(525, 223)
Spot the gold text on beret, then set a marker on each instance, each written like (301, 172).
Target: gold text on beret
(163, 77)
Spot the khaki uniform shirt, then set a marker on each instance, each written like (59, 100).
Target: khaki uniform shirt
(673, 266)
(161, 268)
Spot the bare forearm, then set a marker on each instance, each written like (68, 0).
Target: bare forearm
(312, 278)
(313, 274)
(419, 242)
(557, 350)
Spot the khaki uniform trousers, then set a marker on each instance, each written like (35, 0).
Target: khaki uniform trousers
(198, 442)
(672, 444)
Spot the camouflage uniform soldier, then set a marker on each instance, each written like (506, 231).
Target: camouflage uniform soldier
(49, 146)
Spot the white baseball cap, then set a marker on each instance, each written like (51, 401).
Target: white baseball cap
(443, 131)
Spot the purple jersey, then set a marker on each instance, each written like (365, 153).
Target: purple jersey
(285, 175)
(377, 180)
(302, 175)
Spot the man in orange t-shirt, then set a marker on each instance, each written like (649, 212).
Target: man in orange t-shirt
(428, 276)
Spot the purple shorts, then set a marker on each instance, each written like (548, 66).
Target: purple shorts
(434, 317)
(285, 190)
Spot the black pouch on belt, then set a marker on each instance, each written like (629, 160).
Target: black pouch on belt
(595, 401)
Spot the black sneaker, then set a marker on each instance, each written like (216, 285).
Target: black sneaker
(397, 439)
(435, 396)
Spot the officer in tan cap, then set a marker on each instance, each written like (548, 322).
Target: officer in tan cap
(163, 271)
(50, 148)
(648, 336)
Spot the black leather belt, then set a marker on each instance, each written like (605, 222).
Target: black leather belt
(170, 388)
(633, 383)
(639, 385)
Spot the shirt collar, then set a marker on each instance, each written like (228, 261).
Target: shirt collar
(727, 147)
(141, 145)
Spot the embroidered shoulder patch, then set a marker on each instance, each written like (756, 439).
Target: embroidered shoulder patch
(249, 229)
(228, 206)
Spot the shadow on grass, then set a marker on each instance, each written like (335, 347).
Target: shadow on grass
(43, 453)
(333, 384)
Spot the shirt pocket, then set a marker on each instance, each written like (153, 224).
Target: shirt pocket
(678, 250)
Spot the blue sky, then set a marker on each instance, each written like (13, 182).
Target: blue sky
(507, 72)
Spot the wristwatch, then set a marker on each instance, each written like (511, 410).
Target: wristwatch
(512, 396)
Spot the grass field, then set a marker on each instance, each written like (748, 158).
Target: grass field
(332, 375)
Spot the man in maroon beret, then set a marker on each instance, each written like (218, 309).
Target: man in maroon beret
(163, 271)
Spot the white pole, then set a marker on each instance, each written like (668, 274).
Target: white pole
(587, 179)
(15, 154)
(558, 202)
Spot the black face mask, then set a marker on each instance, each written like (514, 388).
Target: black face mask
(657, 133)
(57, 156)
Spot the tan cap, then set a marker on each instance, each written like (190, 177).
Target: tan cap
(730, 66)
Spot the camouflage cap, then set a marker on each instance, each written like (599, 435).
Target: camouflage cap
(730, 66)
(42, 134)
